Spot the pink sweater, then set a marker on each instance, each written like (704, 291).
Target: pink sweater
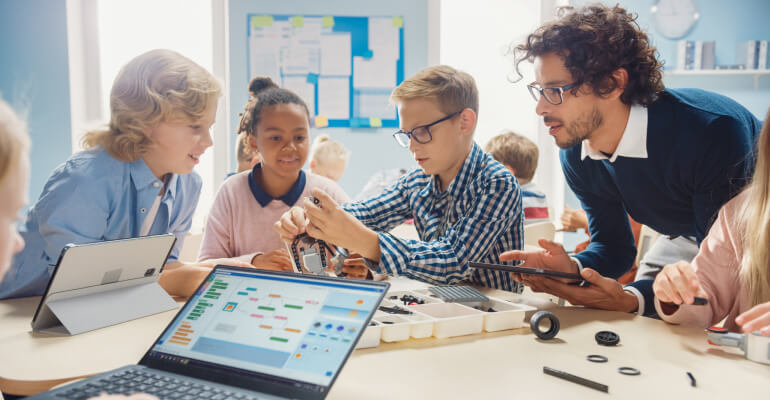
(717, 266)
(239, 227)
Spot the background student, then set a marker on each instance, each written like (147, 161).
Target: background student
(732, 268)
(14, 177)
(276, 125)
(519, 155)
(466, 206)
(328, 158)
(245, 156)
(135, 177)
(670, 158)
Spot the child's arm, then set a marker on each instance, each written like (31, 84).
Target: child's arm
(386, 211)
(492, 213)
(714, 274)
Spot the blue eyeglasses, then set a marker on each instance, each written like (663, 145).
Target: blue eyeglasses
(420, 134)
(553, 95)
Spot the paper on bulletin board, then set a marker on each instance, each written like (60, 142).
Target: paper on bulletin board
(334, 97)
(264, 58)
(265, 45)
(384, 37)
(304, 89)
(335, 54)
(376, 72)
(375, 105)
(300, 59)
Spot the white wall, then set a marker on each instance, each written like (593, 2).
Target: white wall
(475, 37)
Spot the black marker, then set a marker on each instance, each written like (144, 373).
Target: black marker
(692, 379)
(576, 379)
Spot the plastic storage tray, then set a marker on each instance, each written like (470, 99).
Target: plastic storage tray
(452, 319)
(437, 318)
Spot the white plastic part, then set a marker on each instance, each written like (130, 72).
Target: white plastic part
(506, 316)
(452, 319)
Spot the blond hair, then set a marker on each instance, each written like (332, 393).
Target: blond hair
(453, 90)
(515, 151)
(154, 87)
(14, 141)
(326, 150)
(754, 218)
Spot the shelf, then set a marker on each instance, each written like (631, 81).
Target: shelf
(755, 73)
(710, 72)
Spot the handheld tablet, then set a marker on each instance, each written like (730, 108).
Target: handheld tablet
(527, 271)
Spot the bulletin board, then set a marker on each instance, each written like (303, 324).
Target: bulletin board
(343, 67)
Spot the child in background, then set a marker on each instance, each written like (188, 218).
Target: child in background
(135, 177)
(276, 125)
(519, 155)
(328, 158)
(245, 158)
(466, 206)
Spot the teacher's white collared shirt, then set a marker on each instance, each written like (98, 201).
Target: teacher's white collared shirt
(633, 143)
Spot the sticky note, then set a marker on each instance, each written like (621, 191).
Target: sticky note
(297, 21)
(398, 22)
(327, 22)
(321, 121)
(312, 78)
(375, 122)
(367, 54)
(259, 21)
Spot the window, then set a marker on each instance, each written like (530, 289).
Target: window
(127, 28)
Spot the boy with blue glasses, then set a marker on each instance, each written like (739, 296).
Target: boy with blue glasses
(466, 206)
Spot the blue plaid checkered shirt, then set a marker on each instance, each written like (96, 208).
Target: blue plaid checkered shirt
(476, 218)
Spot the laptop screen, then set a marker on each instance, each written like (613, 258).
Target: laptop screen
(286, 327)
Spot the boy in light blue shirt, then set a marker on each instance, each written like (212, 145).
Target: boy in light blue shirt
(135, 178)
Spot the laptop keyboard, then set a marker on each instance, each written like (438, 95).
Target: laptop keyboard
(161, 386)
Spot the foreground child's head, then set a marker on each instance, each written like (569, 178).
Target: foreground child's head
(277, 123)
(437, 109)
(329, 158)
(517, 153)
(162, 106)
(14, 174)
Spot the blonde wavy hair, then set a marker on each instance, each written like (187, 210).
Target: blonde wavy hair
(14, 142)
(754, 218)
(154, 87)
(326, 150)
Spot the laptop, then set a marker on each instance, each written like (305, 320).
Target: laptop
(248, 334)
(105, 283)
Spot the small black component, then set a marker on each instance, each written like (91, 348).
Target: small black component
(629, 371)
(699, 301)
(394, 297)
(394, 310)
(387, 322)
(534, 324)
(597, 358)
(409, 300)
(692, 380)
(607, 338)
